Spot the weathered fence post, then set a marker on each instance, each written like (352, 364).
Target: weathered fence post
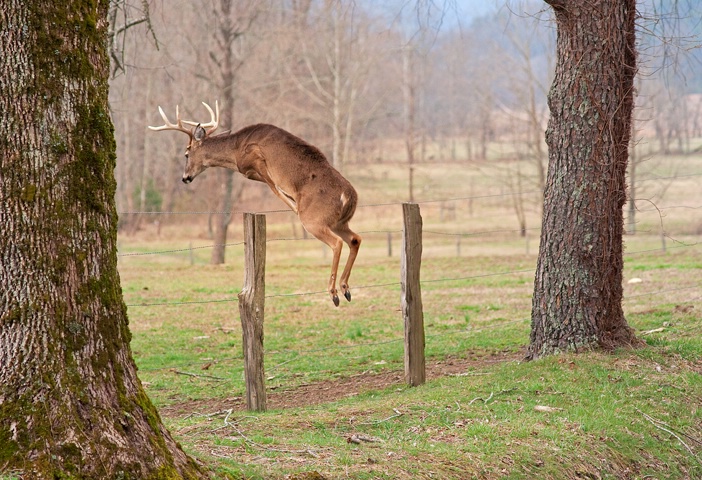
(251, 303)
(412, 295)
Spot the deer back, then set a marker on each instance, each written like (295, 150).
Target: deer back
(270, 154)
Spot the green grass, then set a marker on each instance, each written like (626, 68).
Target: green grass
(629, 414)
(607, 418)
(611, 415)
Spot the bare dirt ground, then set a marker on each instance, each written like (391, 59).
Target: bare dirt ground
(329, 391)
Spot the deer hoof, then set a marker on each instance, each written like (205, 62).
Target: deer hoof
(335, 299)
(347, 294)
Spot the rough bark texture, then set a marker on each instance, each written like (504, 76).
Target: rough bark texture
(578, 284)
(71, 405)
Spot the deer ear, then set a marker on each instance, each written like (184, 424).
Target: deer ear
(199, 133)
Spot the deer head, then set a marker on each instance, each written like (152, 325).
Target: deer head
(194, 163)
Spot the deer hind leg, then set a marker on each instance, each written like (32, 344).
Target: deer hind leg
(325, 235)
(353, 240)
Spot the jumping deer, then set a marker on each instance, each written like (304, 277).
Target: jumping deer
(298, 173)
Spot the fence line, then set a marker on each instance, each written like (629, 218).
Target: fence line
(458, 234)
(179, 250)
(461, 331)
(293, 239)
(251, 302)
(187, 302)
(432, 232)
(395, 284)
(380, 285)
(658, 292)
(671, 207)
(365, 205)
(399, 202)
(648, 250)
(361, 287)
(369, 205)
(481, 232)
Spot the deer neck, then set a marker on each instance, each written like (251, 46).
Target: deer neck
(222, 151)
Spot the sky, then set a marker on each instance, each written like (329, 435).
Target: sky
(470, 9)
(455, 11)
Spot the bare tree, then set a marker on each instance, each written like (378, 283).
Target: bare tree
(668, 37)
(525, 51)
(233, 21)
(143, 172)
(123, 16)
(531, 90)
(419, 35)
(331, 70)
(410, 87)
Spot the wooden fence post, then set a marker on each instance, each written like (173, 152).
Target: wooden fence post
(251, 304)
(412, 312)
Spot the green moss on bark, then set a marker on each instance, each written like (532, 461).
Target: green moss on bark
(65, 168)
(90, 179)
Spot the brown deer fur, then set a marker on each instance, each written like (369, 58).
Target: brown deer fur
(297, 172)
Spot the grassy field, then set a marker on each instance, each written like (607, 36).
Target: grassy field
(338, 404)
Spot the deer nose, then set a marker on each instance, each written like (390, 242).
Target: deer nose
(187, 179)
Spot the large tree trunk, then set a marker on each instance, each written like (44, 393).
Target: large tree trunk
(578, 285)
(71, 405)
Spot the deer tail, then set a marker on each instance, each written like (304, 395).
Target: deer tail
(349, 199)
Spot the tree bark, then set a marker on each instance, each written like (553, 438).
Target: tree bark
(71, 405)
(578, 283)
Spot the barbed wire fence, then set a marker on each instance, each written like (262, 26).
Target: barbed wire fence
(677, 244)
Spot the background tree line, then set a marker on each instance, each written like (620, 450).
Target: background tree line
(369, 84)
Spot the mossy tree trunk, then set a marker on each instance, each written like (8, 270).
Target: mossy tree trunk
(577, 301)
(71, 405)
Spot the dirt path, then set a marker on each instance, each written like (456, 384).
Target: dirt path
(329, 391)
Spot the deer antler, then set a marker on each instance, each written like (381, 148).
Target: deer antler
(214, 119)
(172, 126)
